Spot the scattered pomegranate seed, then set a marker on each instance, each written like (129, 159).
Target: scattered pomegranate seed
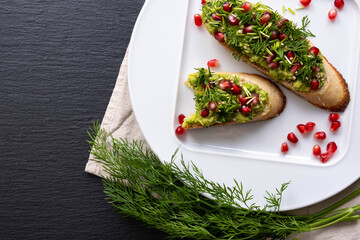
(242, 99)
(339, 4)
(292, 138)
(203, 2)
(207, 86)
(314, 50)
(331, 147)
(320, 135)
(316, 69)
(305, 3)
(273, 65)
(332, 14)
(284, 147)
(181, 118)
(197, 20)
(245, 109)
(227, 7)
(282, 22)
(248, 29)
(302, 128)
(314, 84)
(212, 105)
(310, 126)
(246, 6)
(333, 117)
(180, 130)
(290, 55)
(216, 17)
(274, 35)
(295, 67)
(233, 20)
(225, 85)
(282, 36)
(255, 99)
(270, 57)
(324, 157)
(265, 18)
(205, 112)
(235, 89)
(219, 36)
(213, 63)
(316, 150)
(334, 126)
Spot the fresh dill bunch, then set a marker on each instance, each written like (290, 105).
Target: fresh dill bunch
(169, 197)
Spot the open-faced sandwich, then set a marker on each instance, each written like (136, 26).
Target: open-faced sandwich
(278, 48)
(223, 98)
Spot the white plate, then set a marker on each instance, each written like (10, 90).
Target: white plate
(166, 46)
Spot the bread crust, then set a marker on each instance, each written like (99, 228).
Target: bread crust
(277, 99)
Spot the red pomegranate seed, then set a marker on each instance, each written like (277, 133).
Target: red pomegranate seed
(316, 150)
(235, 89)
(213, 63)
(331, 147)
(284, 147)
(324, 157)
(314, 84)
(203, 2)
(265, 18)
(305, 3)
(227, 7)
(320, 135)
(233, 20)
(208, 86)
(216, 17)
(290, 55)
(225, 85)
(274, 35)
(197, 20)
(212, 105)
(248, 29)
(255, 99)
(339, 4)
(270, 57)
(282, 36)
(245, 109)
(334, 126)
(310, 126)
(205, 112)
(316, 69)
(180, 130)
(181, 118)
(242, 99)
(219, 36)
(314, 50)
(282, 22)
(273, 65)
(292, 138)
(295, 67)
(302, 128)
(332, 14)
(246, 6)
(333, 117)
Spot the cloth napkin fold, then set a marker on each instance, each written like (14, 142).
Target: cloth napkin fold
(119, 120)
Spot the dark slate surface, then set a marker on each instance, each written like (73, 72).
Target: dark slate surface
(58, 64)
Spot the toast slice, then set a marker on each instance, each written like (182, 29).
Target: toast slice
(224, 98)
(278, 48)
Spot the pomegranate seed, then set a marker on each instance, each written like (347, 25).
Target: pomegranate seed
(282, 22)
(274, 35)
(208, 86)
(339, 4)
(273, 65)
(205, 112)
(282, 36)
(248, 29)
(219, 36)
(302, 128)
(255, 99)
(242, 99)
(246, 6)
(212, 105)
(332, 14)
(314, 50)
(245, 109)
(284, 147)
(305, 3)
(216, 17)
(181, 118)
(213, 63)
(314, 84)
(269, 58)
(292, 138)
(203, 2)
(316, 150)
(331, 147)
(334, 126)
(290, 55)
(333, 117)
(227, 7)
(324, 157)
(295, 67)
(225, 85)
(265, 18)
(180, 130)
(235, 89)
(316, 69)
(233, 20)
(320, 135)
(197, 20)
(310, 126)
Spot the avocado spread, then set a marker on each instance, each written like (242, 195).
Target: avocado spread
(222, 98)
(260, 35)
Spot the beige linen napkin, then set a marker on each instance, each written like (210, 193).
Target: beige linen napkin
(119, 120)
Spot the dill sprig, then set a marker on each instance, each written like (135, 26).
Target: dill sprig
(170, 197)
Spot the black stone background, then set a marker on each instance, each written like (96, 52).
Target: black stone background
(58, 65)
